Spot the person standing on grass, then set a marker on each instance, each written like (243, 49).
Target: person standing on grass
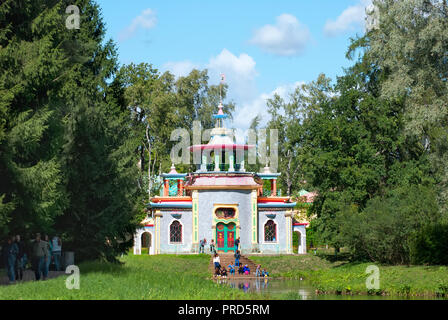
(212, 247)
(39, 257)
(49, 250)
(20, 262)
(202, 245)
(56, 252)
(13, 251)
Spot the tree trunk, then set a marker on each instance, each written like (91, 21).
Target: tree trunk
(148, 141)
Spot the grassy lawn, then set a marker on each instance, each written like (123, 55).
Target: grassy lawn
(344, 277)
(161, 277)
(140, 277)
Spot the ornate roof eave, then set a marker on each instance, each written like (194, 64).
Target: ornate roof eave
(174, 175)
(220, 146)
(223, 187)
(171, 199)
(170, 205)
(266, 176)
(276, 205)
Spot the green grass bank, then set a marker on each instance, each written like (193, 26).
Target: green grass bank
(140, 277)
(343, 277)
(162, 277)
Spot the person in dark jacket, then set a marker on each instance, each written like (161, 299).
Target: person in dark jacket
(39, 257)
(237, 256)
(237, 243)
(13, 251)
(20, 262)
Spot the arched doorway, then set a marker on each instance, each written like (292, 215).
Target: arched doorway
(296, 241)
(225, 236)
(146, 243)
(299, 238)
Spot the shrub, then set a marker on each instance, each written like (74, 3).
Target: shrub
(430, 245)
(383, 231)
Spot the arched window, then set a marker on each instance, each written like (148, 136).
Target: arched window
(175, 232)
(270, 231)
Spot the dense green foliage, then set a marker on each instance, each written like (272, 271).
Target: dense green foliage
(80, 135)
(58, 160)
(429, 245)
(373, 144)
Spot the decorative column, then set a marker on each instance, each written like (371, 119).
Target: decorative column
(217, 161)
(204, 163)
(273, 187)
(157, 215)
(288, 219)
(242, 169)
(166, 188)
(180, 187)
(254, 218)
(195, 225)
(137, 243)
(231, 160)
(302, 249)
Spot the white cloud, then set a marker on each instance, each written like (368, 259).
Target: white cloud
(239, 70)
(248, 111)
(180, 68)
(351, 18)
(288, 37)
(146, 20)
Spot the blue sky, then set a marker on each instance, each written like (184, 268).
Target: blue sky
(261, 46)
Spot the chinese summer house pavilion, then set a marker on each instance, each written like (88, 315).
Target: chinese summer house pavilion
(223, 202)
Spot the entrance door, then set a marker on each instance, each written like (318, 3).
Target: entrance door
(225, 236)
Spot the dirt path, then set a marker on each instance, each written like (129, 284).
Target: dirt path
(28, 275)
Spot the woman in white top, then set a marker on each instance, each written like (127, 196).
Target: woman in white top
(217, 261)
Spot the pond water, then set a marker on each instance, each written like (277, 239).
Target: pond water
(299, 289)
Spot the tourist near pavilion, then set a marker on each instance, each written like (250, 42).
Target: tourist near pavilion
(223, 202)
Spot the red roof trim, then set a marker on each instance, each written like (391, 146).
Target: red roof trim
(300, 224)
(272, 199)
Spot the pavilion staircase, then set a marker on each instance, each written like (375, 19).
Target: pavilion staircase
(227, 259)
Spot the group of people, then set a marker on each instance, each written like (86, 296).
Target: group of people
(261, 273)
(221, 271)
(17, 253)
(203, 243)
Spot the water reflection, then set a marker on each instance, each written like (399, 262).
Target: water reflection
(272, 286)
(299, 289)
